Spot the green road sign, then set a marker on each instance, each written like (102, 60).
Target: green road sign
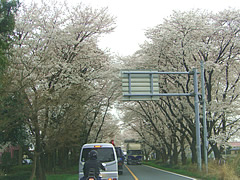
(139, 85)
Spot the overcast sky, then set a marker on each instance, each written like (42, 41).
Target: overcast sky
(135, 16)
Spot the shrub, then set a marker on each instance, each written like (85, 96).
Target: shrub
(224, 171)
(236, 165)
(216, 171)
(17, 176)
(18, 173)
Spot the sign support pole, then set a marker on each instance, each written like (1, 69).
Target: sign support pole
(205, 134)
(196, 102)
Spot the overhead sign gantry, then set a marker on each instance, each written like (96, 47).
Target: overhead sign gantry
(143, 85)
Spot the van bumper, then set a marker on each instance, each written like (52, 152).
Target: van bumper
(106, 175)
(134, 161)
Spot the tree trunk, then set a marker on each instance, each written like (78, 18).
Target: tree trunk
(50, 161)
(38, 163)
(63, 157)
(216, 151)
(34, 166)
(40, 172)
(75, 155)
(170, 154)
(175, 151)
(20, 156)
(194, 152)
(164, 155)
(183, 156)
(182, 149)
(158, 154)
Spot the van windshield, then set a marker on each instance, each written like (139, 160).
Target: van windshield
(104, 154)
(134, 152)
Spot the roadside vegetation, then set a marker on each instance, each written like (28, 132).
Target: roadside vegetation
(228, 170)
(24, 172)
(57, 88)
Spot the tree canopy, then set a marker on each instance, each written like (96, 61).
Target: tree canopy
(62, 76)
(179, 44)
(8, 11)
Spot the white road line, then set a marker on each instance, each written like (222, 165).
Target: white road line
(171, 172)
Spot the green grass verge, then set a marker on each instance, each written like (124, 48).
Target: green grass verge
(62, 177)
(17, 173)
(188, 170)
(24, 173)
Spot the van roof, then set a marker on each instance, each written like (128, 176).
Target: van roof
(92, 145)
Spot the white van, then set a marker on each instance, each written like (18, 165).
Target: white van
(106, 155)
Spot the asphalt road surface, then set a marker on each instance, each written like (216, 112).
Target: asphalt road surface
(142, 172)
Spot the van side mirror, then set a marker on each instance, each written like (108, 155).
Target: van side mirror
(104, 165)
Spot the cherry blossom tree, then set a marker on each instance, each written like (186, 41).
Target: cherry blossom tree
(59, 70)
(179, 44)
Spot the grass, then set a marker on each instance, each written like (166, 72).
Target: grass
(24, 173)
(22, 176)
(183, 170)
(228, 171)
(17, 173)
(67, 174)
(62, 177)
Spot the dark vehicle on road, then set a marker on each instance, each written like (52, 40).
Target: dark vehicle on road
(121, 158)
(134, 152)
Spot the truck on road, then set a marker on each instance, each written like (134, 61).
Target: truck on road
(134, 152)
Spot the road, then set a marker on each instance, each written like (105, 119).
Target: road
(142, 172)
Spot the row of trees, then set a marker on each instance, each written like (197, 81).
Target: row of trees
(178, 45)
(58, 90)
